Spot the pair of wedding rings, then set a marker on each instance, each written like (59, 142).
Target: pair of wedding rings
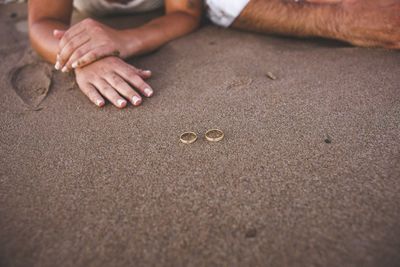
(213, 135)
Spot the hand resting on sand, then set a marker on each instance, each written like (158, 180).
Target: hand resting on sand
(91, 48)
(115, 80)
(86, 42)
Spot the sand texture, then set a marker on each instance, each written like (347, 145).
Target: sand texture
(308, 173)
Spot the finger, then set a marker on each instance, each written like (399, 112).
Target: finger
(145, 74)
(93, 55)
(77, 55)
(109, 92)
(71, 33)
(70, 47)
(130, 75)
(124, 89)
(90, 91)
(58, 34)
(76, 29)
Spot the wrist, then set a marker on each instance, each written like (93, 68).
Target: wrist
(130, 43)
(333, 19)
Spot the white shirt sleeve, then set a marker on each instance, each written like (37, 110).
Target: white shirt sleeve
(224, 12)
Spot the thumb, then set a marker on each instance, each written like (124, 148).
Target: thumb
(58, 34)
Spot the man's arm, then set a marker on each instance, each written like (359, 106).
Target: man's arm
(301, 18)
(359, 22)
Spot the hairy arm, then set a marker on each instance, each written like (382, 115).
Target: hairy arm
(289, 17)
(360, 22)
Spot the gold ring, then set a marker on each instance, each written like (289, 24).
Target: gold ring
(188, 137)
(214, 135)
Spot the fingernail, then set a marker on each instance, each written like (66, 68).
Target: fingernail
(99, 102)
(75, 64)
(64, 69)
(148, 72)
(57, 66)
(136, 100)
(121, 102)
(148, 92)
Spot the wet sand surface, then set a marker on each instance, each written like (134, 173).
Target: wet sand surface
(308, 173)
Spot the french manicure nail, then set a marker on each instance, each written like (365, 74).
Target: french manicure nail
(75, 64)
(99, 102)
(148, 92)
(121, 102)
(136, 100)
(57, 66)
(64, 69)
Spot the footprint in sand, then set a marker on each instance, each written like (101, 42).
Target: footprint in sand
(31, 82)
(240, 82)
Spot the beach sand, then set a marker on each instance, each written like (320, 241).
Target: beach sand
(308, 173)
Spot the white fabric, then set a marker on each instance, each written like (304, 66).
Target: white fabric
(102, 7)
(224, 12)
(221, 12)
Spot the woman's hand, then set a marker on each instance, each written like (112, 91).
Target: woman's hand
(86, 42)
(113, 79)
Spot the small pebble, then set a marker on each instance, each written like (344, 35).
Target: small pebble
(251, 233)
(328, 140)
(271, 75)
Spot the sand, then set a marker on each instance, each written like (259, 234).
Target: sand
(307, 175)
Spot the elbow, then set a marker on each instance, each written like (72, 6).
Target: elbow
(193, 21)
(32, 34)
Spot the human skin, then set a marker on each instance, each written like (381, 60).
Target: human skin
(368, 23)
(89, 40)
(360, 22)
(99, 72)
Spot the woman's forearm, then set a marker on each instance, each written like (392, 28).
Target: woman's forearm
(43, 40)
(158, 32)
(136, 41)
(47, 15)
(44, 17)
